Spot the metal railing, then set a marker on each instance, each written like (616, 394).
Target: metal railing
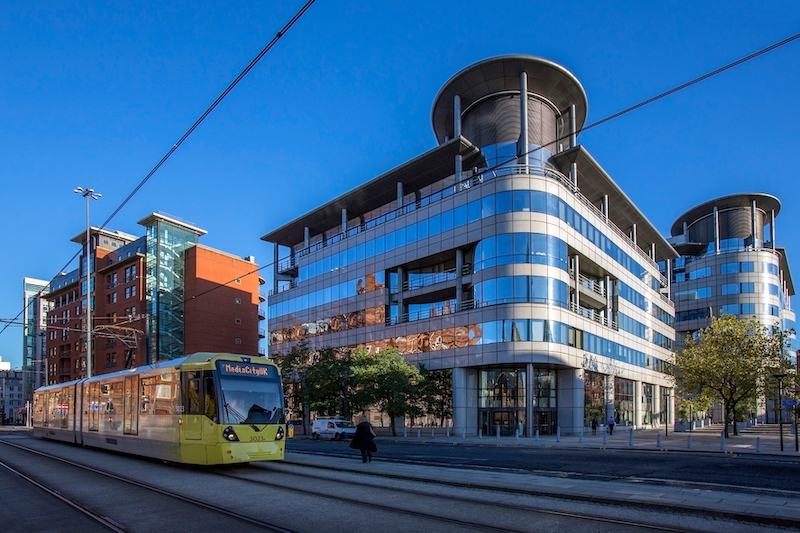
(430, 313)
(429, 279)
(593, 315)
(591, 284)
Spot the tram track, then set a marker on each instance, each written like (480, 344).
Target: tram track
(445, 502)
(105, 520)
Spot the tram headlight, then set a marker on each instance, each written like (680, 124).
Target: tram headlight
(229, 434)
(279, 434)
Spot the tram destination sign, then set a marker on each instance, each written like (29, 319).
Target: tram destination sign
(233, 368)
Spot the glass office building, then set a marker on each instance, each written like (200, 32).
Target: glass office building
(506, 254)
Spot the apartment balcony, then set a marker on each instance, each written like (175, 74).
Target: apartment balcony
(261, 313)
(262, 333)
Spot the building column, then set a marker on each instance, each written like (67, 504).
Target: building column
(604, 207)
(522, 144)
(609, 299)
(401, 308)
(344, 220)
(306, 237)
(573, 133)
(275, 252)
(459, 279)
(657, 405)
(638, 415)
(716, 231)
(753, 222)
(576, 266)
(634, 234)
(569, 399)
(457, 134)
(465, 401)
(610, 409)
(399, 194)
(772, 228)
(530, 394)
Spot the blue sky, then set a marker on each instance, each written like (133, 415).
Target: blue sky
(93, 94)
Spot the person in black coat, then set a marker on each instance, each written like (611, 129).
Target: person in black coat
(364, 440)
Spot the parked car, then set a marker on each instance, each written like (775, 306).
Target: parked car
(332, 428)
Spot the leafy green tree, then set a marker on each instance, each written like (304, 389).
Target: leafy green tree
(731, 358)
(388, 382)
(437, 392)
(330, 382)
(293, 367)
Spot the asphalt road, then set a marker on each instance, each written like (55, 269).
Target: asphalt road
(750, 471)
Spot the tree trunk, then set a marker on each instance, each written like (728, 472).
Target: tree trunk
(727, 419)
(735, 428)
(392, 425)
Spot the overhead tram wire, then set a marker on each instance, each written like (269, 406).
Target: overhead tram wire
(194, 126)
(593, 125)
(534, 150)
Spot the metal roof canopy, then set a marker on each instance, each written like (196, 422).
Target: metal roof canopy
(415, 174)
(499, 74)
(594, 183)
(767, 202)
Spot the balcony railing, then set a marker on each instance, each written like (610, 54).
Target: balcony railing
(591, 284)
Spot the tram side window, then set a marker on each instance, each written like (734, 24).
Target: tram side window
(193, 383)
(211, 397)
(158, 395)
(111, 397)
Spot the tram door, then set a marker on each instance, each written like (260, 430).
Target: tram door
(131, 406)
(192, 424)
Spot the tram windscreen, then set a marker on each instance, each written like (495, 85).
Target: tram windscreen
(250, 393)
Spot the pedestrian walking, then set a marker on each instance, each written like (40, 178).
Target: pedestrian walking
(594, 426)
(611, 424)
(364, 440)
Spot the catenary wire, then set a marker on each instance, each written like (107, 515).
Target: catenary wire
(534, 150)
(194, 126)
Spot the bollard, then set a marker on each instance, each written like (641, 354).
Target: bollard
(658, 440)
(605, 438)
(405, 431)
(464, 433)
(580, 437)
(722, 440)
(758, 444)
(419, 433)
(689, 441)
(497, 432)
(630, 438)
(537, 435)
(433, 433)
(558, 434)
(516, 434)
(447, 432)
(480, 433)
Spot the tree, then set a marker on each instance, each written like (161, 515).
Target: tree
(732, 358)
(387, 381)
(330, 383)
(293, 367)
(437, 392)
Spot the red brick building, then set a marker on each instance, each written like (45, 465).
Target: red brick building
(155, 298)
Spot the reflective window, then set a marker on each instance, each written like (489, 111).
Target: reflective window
(532, 248)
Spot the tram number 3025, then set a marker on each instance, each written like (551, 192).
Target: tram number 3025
(257, 438)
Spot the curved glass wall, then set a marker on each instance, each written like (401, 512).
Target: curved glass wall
(490, 205)
(529, 248)
(521, 289)
(505, 154)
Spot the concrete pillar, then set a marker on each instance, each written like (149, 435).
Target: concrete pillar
(576, 265)
(772, 228)
(573, 175)
(753, 222)
(609, 384)
(638, 415)
(530, 394)
(604, 207)
(657, 403)
(573, 134)
(653, 251)
(399, 194)
(456, 134)
(522, 144)
(716, 231)
(275, 252)
(465, 400)
(685, 230)
(459, 278)
(569, 399)
(344, 220)
(634, 234)
(609, 299)
(306, 237)
(401, 308)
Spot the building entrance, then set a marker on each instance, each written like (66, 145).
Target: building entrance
(508, 420)
(545, 421)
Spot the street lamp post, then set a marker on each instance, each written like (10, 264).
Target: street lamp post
(780, 377)
(88, 194)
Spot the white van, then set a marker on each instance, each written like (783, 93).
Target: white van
(332, 428)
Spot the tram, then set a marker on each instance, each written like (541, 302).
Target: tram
(203, 409)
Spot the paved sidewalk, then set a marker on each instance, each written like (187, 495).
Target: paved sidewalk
(767, 507)
(761, 439)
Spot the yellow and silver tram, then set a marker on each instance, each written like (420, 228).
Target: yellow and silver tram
(204, 408)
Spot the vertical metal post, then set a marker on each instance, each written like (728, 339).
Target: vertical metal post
(753, 222)
(399, 194)
(344, 220)
(522, 145)
(716, 231)
(573, 134)
(457, 134)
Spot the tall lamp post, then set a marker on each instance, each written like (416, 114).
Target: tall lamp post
(88, 194)
(780, 377)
